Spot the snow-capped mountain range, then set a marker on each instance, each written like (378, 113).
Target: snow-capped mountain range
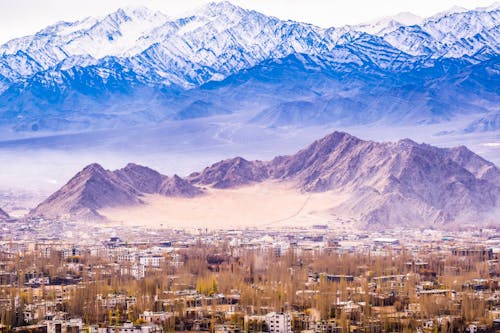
(136, 66)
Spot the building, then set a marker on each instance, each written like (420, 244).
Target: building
(279, 322)
(385, 241)
(226, 328)
(338, 278)
(155, 317)
(64, 326)
(151, 261)
(477, 252)
(129, 327)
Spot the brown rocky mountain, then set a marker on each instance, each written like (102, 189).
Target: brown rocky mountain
(475, 164)
(146, 180)
(387, 184)
(91, 189)
(142, 178)
(3, 215)
(402, 183)
(230, 173)
(178, 187)
(94, 188)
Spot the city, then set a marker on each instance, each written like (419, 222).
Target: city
(252, 280)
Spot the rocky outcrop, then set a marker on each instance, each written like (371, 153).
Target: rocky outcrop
(231, 173)
(178, 187)
(94, 188)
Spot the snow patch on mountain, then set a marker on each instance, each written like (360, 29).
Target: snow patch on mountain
(389, 23)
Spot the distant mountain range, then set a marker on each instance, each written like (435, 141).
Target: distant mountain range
(137, 66)
(389, 184)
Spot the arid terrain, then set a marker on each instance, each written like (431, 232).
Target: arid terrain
(258, 205)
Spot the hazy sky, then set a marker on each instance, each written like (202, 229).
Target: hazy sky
(23, 17)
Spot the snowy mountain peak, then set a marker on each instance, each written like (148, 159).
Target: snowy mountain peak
(142, 12)
(219, 15)
(493, 6)
(452, 34)
(407, 18)
(453, 10)
(220, 7)
(388, 24)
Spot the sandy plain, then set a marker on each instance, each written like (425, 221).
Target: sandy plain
(268, 204)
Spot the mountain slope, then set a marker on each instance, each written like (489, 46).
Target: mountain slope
(3, 215)
(143, 179)
(178, 187)
(137, 66)
(91, 189)
(231, 173)
(300, 90)
(390, 184)
(450, 34)
(490, 122)
(95, 188)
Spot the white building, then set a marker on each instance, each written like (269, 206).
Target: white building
(151, 261)
(279, 322)
(155, 317)
(126, 257)
(129, 327)
(64, 326)
(138, 271)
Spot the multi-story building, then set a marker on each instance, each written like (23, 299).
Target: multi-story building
(151, 261)
(279, 322)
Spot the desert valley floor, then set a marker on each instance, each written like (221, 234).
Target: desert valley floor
(259, 205)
